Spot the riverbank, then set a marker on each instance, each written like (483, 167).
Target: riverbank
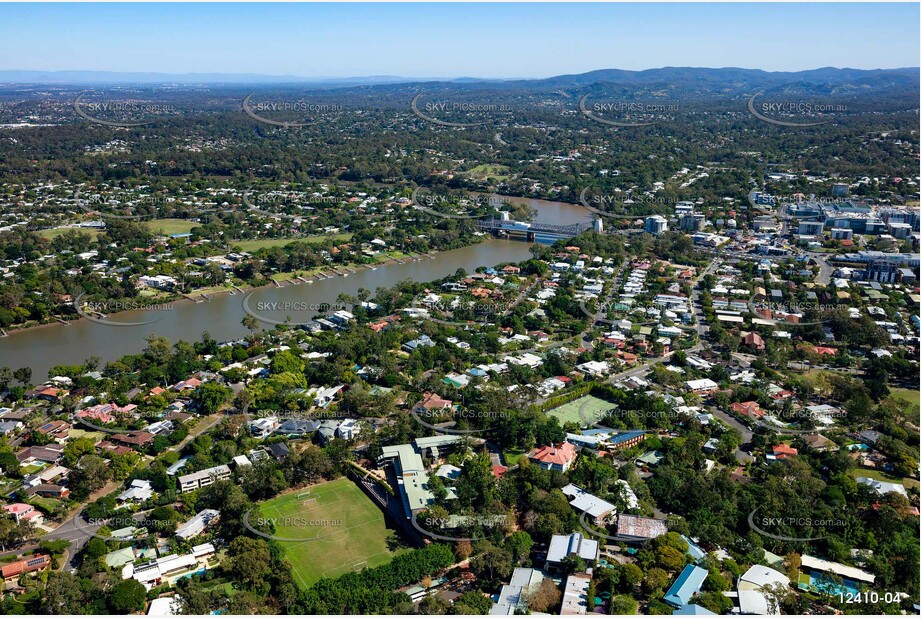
(204, 294)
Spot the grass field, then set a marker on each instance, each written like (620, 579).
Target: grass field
(499, 172)
(54, 233)
(170, 226)
(346, 530)
(254, 245)
(592, 408)
(913, 397)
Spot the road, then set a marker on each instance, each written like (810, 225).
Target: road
(741, 455)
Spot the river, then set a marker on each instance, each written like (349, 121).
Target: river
(65, 344)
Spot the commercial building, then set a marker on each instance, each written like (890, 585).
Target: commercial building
(598, 509)
(563, 545)
(412, 475)
(686, 586)
(639, 529)
(575, 595)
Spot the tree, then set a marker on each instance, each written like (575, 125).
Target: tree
(519, 545)
(471, 603)
(248, 564)
(434, 605)
(211, 396)
(545, 598)
(463, 549)
(623, 605)
(655, 580)
(573, 563)
(631, 575)
(90, 473)
(477, 485)
(492, 566)
(127, 596)
(63, 595)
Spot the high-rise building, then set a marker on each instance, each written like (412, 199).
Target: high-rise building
(656, 224)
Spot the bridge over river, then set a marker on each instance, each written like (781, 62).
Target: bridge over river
(537, 232)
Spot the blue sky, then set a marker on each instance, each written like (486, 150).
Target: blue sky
(453, 40)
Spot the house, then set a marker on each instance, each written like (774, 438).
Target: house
(686, 586)
(203, 478)
(819, 442)
(750, 409)
(278, 450)
(882, 487)
(50, 453)
(752, 598)
(814, 569)
(241, 461)
(24, 512)
(195, 526)
(634, 528)
(326, 430)
(563, 545)
(119, 558)
(13, 570)
(423, 341)
(704, 386)
(559, 458)
(164, 606)
(432, 402)
(139, 491)
(57, 430)
(754, 341)
(348, 429)
(594, 368)
(136, 438)
(649, 458)
(325, 396)
(8, 427)
(593, 506)
(47, 393)
(49, 491)
(869, 436)
(263, 427)
(782, 451)
(297, 427)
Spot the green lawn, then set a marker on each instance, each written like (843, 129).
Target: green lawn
(512, 456)
(499, 172)
(912, 397)
(254, 245)
(343, 530)
(592, 409)
(170, 226)
(55, 232)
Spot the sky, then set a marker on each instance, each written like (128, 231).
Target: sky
(454, 40)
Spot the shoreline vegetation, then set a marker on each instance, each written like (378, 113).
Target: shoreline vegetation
(203, 294)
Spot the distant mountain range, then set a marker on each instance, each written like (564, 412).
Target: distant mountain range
(704, 78)
(115, 77)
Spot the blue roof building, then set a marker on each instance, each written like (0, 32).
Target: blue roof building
(692, 610)
(694, 551)
(686, 586)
